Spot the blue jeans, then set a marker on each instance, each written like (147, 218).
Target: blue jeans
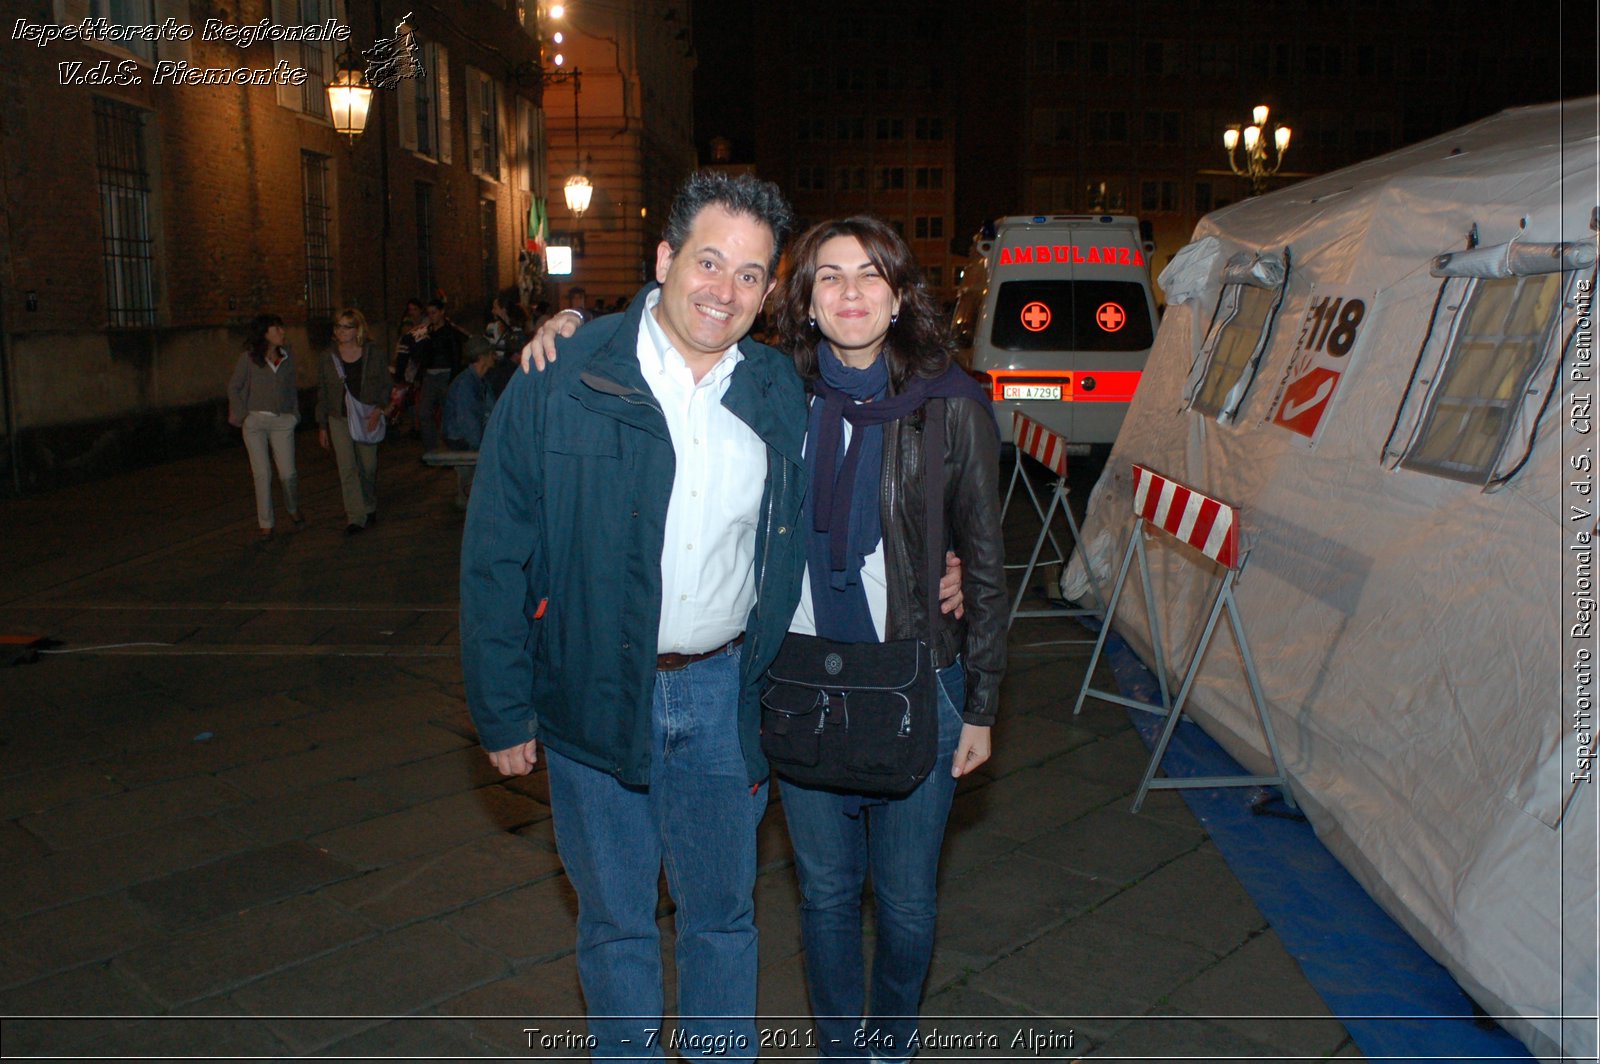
(697, 818)
(899, 839)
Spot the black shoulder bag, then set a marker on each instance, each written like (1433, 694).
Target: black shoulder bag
(863, 718)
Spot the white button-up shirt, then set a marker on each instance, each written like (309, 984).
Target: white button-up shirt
(708, 556)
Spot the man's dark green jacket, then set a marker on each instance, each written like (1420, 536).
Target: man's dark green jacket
(561, 559)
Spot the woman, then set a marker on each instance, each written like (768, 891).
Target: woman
(402, 367)
(508, 331)
(865, 334)
(353, 388)
(263, 401)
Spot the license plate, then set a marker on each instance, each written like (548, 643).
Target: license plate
(1033, 391)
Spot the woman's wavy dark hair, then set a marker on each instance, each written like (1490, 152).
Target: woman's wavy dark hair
(256, 340)
(918, 342)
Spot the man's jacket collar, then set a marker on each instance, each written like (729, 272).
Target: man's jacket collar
(613, 371)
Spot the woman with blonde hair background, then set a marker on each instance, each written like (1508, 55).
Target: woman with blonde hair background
(353, 388)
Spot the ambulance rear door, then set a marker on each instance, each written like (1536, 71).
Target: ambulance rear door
(1070, 325)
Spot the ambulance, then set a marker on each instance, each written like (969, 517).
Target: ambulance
(1055, 318)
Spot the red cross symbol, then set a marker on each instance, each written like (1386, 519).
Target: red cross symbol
(1110, 317)
(1035, 317)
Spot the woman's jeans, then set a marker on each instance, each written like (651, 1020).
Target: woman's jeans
(899, 840)
(274, 432)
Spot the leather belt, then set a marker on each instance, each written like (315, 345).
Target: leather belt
(674, 662)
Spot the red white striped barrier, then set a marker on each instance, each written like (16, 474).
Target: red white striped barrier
(1212, 528)
(1044, 445)
(1209, 526)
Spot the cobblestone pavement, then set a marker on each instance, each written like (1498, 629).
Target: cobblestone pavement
(256, 821)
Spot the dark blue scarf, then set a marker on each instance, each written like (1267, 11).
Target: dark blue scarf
(842, 517)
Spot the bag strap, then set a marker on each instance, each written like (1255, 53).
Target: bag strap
(933, 482)
(344, 378)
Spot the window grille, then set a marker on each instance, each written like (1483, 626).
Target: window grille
(425, 113)
(484, 123)
(315, 57)
(128, 246)
(318, 223)
(310, 97)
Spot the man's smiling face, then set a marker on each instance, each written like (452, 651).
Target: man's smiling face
(712, 287)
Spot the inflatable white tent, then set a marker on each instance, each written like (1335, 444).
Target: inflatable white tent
(1389, 370)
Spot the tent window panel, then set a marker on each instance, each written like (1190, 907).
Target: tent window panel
(1498, 346)
(1237, 342)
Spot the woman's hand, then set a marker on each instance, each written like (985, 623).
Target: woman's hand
(373, 419)
(541, 350)
(972, 749)
(322, 439)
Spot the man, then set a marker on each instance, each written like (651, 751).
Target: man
(436, 346)
(577, 298)
(629, 568)
(466, 409)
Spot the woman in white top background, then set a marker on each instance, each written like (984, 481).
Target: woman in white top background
(264, 402)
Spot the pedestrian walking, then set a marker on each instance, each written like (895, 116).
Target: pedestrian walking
(264, 404)
(352, 390)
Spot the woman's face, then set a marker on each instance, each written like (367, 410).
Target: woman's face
(275, 335)
(852, 301)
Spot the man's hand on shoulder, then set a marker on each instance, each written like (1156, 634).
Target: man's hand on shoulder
(951, 598)
(515, 760)
(541, 350)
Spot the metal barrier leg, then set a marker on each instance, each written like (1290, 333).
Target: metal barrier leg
(1033, 559)
(1105, 626)
(1018, 473)
(1038, 508)
(1175, 714)
(1157, 651)
(1224, 600)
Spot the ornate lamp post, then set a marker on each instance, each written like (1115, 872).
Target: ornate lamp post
(577, 191)
(1256, 165)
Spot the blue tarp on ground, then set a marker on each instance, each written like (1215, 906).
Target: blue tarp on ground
(1397, 1002)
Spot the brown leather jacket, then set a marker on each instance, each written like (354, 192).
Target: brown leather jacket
(972, 529)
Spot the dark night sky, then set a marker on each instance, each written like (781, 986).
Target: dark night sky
(728, 84)
(725, 79)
